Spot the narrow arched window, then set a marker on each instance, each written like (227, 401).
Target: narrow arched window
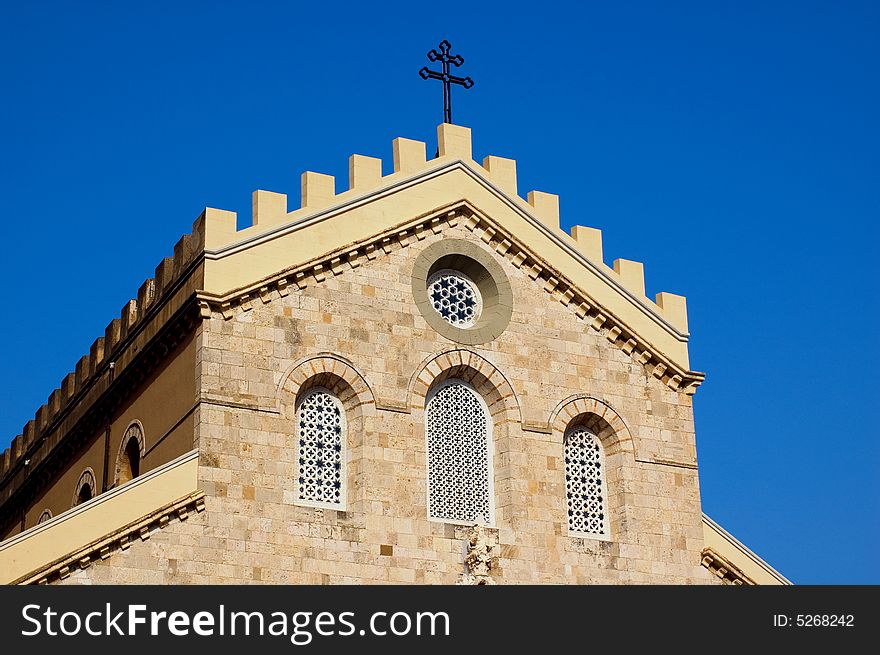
(459, 441)
(320, 425)
(85, 493)
(129, 465)
(45, 516)
(585, 488)
(86, 487)
(128, 461)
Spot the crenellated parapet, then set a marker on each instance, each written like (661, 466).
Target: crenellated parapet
(215, 235)
(318, 191)
(107, 357)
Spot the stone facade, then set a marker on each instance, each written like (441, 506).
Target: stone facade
(360, 333)
(208, 364)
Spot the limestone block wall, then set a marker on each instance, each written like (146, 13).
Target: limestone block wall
(359, 332)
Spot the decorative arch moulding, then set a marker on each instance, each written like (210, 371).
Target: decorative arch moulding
(572, 408)
(470, 365)
(556, 285)
(328, 370)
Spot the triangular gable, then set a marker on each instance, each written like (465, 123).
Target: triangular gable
(226, 268)
(332, 232)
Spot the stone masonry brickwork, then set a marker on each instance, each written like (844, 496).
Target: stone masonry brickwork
(360, 334)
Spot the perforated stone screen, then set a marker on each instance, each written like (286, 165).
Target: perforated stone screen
(458, 431)
(455, 297)
(585, 483)
(321, 433)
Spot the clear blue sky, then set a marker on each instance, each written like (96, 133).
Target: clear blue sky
(732, 147)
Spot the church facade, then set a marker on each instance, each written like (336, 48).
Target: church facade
(421, 379)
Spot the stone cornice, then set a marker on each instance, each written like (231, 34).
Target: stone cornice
(731, 560)
(99, 526)
(422, 176)
(656, 364)
(723, 569)
(117, 541)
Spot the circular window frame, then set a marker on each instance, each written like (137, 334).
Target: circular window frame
(486, 274)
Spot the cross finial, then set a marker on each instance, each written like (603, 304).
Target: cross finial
(444, 76)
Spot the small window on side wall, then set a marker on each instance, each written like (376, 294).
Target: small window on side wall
(128, 461)
(85, 493)
(86, 488)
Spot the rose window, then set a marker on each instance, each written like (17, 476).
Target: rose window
(455, 297)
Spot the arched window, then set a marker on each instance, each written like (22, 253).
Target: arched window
(85, 487)
(45, 516)
(85, 493)
(455, 297)
(585, 490)
(128, 460)
(131, 461)
(459, 436)
(320, 427)
(131, 449)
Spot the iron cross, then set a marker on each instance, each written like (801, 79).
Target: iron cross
(444, 76)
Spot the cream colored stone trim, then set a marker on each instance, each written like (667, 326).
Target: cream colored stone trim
(393, 405)
(538, 427)
(724, 570)
(732, 561)
(597, 318)
(442, 167)
(106, 521)
(667, 462)
(210, 399)
(119, 541)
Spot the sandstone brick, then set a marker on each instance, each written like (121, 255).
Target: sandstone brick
(254, 531)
